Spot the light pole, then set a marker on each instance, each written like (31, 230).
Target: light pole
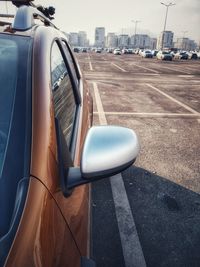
(167, 6)
(183, 46)
(136, 22)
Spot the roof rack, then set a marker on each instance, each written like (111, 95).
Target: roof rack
(26, 14)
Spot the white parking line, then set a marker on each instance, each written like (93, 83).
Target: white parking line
(145, 68)
(191, 68)
(132, 251)
(186, 76)
(102, 117)
(151, 115)
(103, 74)
(118, 67)
(173, 99)
(90, 63)
(176, 70)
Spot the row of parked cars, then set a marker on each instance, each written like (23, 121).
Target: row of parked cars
(169, 55)
(162, 54)
(116, 51)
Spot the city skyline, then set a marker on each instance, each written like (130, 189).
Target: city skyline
(183, 18)
(144, 41)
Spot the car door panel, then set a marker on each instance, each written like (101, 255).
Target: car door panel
(43, 232)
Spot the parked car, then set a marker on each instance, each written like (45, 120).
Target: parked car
(164, 55)
(124, 51)
(76, 50)
(98, 50)
(154, 52)
(147, 54)
(136, 51)
(192, 55)
(117, 51)
(173, 53)
(48, 150)
(109, 50)
(130, 51)
(84, 50)
(181, 55)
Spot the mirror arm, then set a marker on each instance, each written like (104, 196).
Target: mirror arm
(75, 178)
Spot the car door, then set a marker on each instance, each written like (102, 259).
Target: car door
(59, 114)
(72, 112)
(43, 237)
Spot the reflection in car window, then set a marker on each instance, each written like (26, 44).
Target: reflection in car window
(63, 96)
(8, 74)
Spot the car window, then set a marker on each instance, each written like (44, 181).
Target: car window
(15, 121)
(8, 74)
(13, 75)
(63, 95)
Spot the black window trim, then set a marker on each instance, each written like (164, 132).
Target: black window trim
(73, 58)
(77, 96)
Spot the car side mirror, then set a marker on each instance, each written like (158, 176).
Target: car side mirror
(107, 150)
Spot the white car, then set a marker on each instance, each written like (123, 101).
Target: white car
(98, 50)
(117, 51)
(164, 55)
(125, 51)
(147, 54)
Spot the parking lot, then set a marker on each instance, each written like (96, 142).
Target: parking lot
(160, 101)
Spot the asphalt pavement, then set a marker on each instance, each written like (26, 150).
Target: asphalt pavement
(161, 102)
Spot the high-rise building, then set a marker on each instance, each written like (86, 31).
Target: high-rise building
(140, 41)
(100, 37)
(165, 40)
(153, 43)
(111, 40)
(73, 38)
(185, 44)
(123, 40)
(82, 39)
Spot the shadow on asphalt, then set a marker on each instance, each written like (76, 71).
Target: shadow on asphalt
(167, 218)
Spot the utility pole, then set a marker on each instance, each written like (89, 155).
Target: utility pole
(136, 22)
(165, 23)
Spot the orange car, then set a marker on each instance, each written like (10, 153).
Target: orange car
(48, 154)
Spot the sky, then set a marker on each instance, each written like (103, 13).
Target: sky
(117, 16)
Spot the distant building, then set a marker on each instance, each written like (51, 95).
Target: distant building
(111, 40)
(165, 40)
(82, 39)
(185, 44)
(73, 38)
(123, 40)
(153, 43)
(140, 41)
(100, 37)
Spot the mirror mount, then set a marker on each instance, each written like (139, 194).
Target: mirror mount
(75, 178)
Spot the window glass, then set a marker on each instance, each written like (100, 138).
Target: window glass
(8, 74)
(71, 63)
(15, 124)
(63, 96)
